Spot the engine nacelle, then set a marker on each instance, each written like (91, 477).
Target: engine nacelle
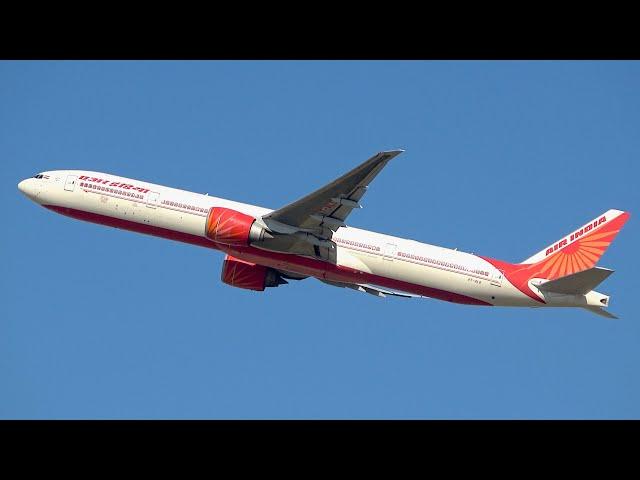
(233, 228)
(241, 274)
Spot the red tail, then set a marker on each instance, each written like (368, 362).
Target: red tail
(577, 251)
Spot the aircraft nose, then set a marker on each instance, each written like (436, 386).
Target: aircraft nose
(28, 188)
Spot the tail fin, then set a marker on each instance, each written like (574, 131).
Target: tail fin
(580, 249)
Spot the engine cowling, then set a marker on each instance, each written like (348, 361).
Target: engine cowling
(233, 228)
(241, 274)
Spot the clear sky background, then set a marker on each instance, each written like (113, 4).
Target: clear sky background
(502, 158)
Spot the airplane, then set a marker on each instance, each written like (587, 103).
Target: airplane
(309, 238)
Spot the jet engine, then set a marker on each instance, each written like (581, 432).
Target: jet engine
(241, 274)
(233, 228)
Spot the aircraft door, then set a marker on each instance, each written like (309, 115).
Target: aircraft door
(388, 254)
(497, 277)
(389, 251)
(152, 214)
(152, 199)
(70, 183)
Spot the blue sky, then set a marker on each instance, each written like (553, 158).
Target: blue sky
(502, 158)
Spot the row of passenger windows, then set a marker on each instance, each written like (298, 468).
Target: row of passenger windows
(110, 190)
(185, 206)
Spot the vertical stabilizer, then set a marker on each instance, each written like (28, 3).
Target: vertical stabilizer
(579, 250)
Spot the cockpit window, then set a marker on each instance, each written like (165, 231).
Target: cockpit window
(41, 176)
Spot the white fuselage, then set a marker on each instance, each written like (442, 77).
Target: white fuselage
(401, 264)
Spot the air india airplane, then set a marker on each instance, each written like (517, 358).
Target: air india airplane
(309, 238)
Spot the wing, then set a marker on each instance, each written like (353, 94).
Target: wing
(602, 312)
(370, 289)
(324, 211)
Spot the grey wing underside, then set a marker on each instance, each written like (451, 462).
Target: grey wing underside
(370, 289)
(324, 211)
(602, 312)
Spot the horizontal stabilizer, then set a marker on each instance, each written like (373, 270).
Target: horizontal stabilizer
(577, 283)
(602, 312)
